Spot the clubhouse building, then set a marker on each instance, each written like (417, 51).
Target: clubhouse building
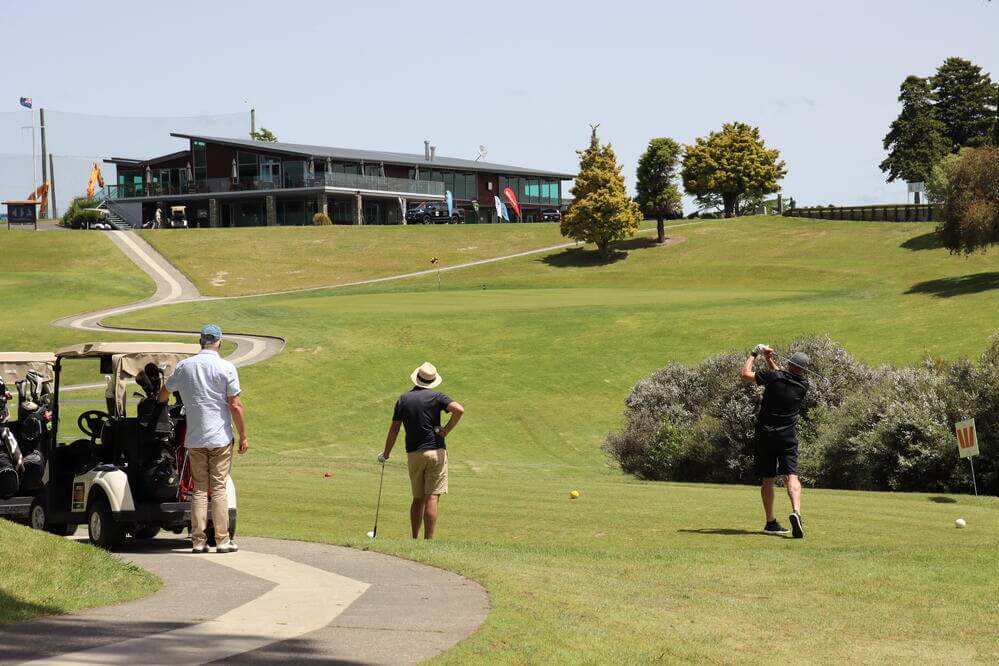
(226, 182)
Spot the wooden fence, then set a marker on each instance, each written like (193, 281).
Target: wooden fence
(876, 213)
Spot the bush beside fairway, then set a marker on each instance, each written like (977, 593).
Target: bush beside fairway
(542, 350)
(43, 575)
(231, 262)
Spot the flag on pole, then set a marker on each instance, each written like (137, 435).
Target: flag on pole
(508, 193)
(501, 211)
(26, 102)
(450, 203)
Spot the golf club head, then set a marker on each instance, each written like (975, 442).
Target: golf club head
(371, 534)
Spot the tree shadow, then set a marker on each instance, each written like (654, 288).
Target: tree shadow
(957, 286)
(722, 531)
(16, 609)
(579, 257)
(929, 241)
(940, 499)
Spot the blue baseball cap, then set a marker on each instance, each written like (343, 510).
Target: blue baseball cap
(211, 332)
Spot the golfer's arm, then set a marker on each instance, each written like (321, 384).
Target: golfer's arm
(456, 411)
(771, 363)
(236, 409)
(748, 375)
(164, 395)
(393, 433)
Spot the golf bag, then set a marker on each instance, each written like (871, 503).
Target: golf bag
(10, 460)
(34, 397)
(155, 469)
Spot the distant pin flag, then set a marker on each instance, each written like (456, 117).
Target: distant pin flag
(26, 102)
(437, 262)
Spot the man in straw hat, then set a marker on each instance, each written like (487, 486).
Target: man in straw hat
(419, 410)
(776, 442)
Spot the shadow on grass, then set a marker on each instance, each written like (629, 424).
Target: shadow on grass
(722, 531)
(578, 257)
(930, 241)
(957, 286)
(940, 499)
(13, 609)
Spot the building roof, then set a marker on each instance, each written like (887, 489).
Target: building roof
(355, 155)
(127, 161)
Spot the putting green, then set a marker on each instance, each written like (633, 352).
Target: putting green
(542, 350)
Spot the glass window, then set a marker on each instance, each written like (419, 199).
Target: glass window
(270, 171)
(471, 186)
(246, 166)
(294, 173)
(200, 161)
(449, 182)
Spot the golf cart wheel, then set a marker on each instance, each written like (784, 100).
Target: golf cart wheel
(103, 530)
(38, 519)
(146, 532)
(210, 534)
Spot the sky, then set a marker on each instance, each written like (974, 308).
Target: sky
(524, 79)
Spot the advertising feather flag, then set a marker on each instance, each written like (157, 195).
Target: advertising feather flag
(508, 193)
(501, 211)
(450, 203)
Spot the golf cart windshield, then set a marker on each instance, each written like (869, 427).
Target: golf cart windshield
(127, 360)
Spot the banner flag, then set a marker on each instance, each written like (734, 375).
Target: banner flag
(508, 193)
(450, 203)
(26, 102)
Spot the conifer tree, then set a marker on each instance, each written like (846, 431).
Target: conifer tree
(915, 141)
(601, 211)
(966, 102)
(655, 183)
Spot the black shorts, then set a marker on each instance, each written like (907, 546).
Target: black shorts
(774, 455)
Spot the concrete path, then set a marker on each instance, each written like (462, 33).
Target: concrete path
(171, 287)
(274, 601)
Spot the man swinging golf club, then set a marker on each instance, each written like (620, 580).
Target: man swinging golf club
(776, 442)
(419, 410)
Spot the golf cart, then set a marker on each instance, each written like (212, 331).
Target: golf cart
(128, 475)
(178, 218)
(24, 428)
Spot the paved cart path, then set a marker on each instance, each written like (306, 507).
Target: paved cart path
(274, 601)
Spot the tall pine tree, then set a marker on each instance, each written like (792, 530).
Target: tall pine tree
(966, 102)
(915, 141)
(601, 212)
(655, 182)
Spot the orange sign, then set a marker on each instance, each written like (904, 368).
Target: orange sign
(967, 438)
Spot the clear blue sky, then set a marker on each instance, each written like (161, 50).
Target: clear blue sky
(522, 78)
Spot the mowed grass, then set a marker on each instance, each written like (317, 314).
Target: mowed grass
(231, 262)
(541, 351)
(44, 575)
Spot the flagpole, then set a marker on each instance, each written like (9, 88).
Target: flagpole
(34, 167)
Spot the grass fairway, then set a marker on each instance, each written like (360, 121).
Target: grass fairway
(231, 262)
(44, 575)
(542, 350)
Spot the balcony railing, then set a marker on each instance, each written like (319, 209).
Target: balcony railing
(346, 181)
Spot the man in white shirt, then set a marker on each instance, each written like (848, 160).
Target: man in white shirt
(209, 387)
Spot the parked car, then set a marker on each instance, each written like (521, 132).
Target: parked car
(433, 212)
(551, 215)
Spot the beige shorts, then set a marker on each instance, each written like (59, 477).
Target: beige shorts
(428, 472)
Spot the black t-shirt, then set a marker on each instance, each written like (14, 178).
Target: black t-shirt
(783, 394)
(420, 412)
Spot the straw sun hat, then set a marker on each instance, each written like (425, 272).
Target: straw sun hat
(426, 376)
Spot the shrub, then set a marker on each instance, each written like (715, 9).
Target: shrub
(971, 208)
(76, 206)
(860, 428)
(321, 220)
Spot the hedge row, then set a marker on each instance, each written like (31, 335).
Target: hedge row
(861, 428)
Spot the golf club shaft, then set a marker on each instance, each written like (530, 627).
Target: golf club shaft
(785, 360)
(378, 506)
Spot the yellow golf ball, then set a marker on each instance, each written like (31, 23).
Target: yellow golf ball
(574, 494)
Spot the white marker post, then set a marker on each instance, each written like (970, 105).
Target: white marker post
(967, 445)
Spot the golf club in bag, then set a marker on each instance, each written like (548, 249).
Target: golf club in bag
(10, 454)
(373, 533)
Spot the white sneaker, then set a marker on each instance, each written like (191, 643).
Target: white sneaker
(230, 547)
(197, 550)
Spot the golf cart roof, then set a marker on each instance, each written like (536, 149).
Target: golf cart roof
(98, 349)
(14, 366)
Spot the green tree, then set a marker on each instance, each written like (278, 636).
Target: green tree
(657, 171)
(938, 184)
(966, 102)
(915, 141)
(601, 211)
(263, 134)
(971, 209)
(732, 163)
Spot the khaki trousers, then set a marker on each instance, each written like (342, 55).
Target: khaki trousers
(209, 471)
